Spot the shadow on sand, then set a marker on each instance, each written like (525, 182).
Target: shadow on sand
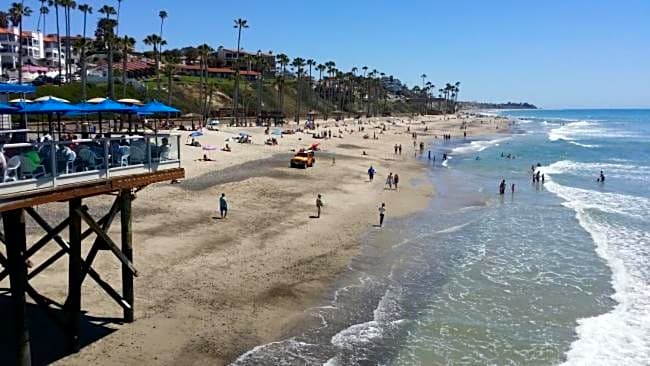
(48, 341)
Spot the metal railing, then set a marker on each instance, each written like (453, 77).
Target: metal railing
(49, 164)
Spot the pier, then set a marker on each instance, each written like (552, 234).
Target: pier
(115, 167)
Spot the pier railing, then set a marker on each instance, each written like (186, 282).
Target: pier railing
(51, 164)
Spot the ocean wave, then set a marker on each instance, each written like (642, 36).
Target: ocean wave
(584, 145)
(591, 170)
(478, 146)
(583, 130)
(621, 336)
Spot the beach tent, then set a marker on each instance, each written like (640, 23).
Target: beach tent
(96, 100)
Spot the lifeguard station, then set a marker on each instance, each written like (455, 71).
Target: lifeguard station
(70, 170)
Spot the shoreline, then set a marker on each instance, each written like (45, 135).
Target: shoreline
(211, 290)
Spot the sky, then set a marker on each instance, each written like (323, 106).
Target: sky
(553, 53)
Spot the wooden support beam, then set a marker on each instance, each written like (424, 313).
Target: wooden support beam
(43, 266)
(86, 267)
(3, 262)
(14, 229)
(50, 234)
(73, 304)
(127, 248)
(112, 246)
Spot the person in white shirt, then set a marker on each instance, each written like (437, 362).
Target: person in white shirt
(382, 212)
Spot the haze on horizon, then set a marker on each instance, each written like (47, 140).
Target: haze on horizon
(554, 54)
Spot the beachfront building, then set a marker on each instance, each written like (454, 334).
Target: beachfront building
(216, 72)
(38, 50)
(227, 57)
(32, 48)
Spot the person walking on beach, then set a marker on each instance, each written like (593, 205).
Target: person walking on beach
(371, 173)
(389, 180)
(382, 213)
(502, 187)
(396, 149)
(395, 180)
(399, 148)
(319, 205)
(223, 206)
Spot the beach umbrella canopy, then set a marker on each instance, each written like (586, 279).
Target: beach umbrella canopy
(16, 88)
(106, 106)
(196, 134)
(130, 101)
(95, 100)
(20, 100)
(6, 108)
(51, 97)
(48, 106)
(156, 107)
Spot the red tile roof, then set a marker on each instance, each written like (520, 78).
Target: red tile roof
(221, 70)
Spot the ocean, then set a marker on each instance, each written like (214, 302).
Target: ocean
(553, 273)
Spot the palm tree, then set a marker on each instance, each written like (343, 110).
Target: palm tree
(156, 42)
(86, 9)
(67, 6)
(321, 68)
(262, 66)
(204, 52)
(299, 64)
(171, 63)
(110, 40)
(117, 18)
(239, 25)
(42, 11)
(16, 14)
(127, 43)
(163, 15)
(55, 3)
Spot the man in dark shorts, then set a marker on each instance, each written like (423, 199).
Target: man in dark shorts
(223, 206)
(382, 212)
(502, 187)
(319, 204)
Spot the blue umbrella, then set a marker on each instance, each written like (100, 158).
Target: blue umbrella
(156, 107)
(6, 108)
(106, 106)
(49, 107)
(16, 88)
(196, 134)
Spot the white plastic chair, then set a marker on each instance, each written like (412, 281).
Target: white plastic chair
(11, 173)
(124, 155)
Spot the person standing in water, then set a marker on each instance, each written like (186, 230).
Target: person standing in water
(502, 187)
(601, 178)
(513, 188)
(382, 213)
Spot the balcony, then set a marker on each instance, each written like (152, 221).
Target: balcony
(32, 167)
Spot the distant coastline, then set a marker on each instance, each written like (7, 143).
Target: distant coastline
(508, 105)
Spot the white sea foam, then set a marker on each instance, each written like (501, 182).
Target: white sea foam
(477, 146)
(583, 130)
(591, 170)
(584, 145)
(621, 336)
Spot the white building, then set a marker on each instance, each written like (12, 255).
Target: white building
(37, 49)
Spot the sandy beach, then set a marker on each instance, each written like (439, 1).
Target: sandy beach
(211, 289)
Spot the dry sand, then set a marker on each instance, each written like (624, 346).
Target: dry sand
(211, 289)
